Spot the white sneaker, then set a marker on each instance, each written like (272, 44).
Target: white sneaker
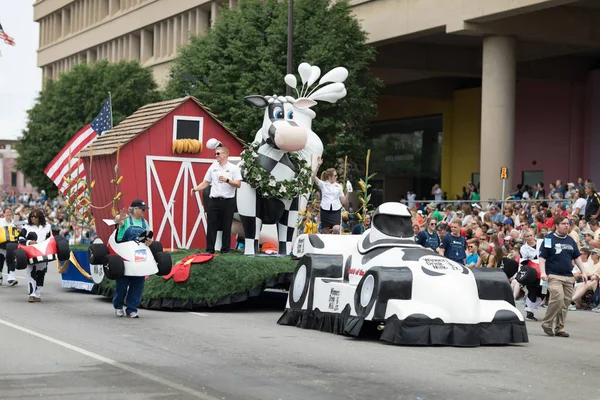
(572, 307)
(133, 315)
(119, 312)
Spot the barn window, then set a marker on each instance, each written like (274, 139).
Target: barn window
(187, 128)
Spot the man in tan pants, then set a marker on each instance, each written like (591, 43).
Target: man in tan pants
(556, 265)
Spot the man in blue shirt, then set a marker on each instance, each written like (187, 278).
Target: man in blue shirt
(454, 245)
(129, 289)
(556, 265)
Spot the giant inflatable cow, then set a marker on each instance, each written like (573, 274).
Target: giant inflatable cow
(286, 130)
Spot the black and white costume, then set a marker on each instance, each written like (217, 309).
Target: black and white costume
(35, 272)
(10, 269)
(530, 256)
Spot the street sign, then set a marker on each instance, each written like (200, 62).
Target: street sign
(504, 177)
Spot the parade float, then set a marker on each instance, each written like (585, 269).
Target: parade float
(383, 280)
(161, 152)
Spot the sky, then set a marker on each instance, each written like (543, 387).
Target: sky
(20, 79)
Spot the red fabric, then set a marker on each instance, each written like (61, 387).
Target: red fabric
(536, 266)
(181, 271)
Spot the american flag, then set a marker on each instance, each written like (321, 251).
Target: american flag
(67, 165)
(7, 39)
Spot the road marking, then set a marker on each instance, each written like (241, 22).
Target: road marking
(112, 362)
(198, 314)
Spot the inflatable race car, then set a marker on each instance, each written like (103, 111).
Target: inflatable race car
(53, 248)
(8, 234)
(130, 258)
(383, 279)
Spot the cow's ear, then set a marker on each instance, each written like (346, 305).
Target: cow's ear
(304, 103)
(256, 101)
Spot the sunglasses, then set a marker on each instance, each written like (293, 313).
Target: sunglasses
(433, 224)
(218, 153)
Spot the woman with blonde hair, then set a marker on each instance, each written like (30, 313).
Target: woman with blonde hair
(488, 256)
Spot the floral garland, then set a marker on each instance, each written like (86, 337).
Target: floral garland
(266, 184)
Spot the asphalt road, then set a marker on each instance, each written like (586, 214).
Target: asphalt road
(71, 346)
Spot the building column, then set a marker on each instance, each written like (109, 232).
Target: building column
(497, 114)
(214, 12)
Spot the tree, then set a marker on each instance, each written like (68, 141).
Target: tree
(67, 104)
(245, 53)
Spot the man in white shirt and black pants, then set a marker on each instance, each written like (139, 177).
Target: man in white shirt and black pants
(223, 178)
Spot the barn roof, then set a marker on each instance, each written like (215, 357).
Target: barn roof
(140, 121)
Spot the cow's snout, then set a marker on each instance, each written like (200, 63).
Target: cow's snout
(288, 137)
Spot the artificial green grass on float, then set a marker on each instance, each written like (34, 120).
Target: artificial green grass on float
(227, 278)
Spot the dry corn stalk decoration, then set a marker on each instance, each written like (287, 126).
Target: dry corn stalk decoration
(77, 200)
(116, 181)
(187, 146)
(363, 193)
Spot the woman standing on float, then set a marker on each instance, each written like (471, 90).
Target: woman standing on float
(7, 221)
(332, 198)
(35, 231)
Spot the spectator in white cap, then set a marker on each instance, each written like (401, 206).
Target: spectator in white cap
(477, 210)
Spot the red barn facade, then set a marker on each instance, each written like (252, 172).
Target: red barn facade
(153, 171)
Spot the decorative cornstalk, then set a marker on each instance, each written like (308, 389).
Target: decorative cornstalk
(364, 196)
(117, 181)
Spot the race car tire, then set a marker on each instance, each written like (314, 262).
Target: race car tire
(97, 253)
(114, 267)
(20, 259)
(63, 252)
(10, 248)
(155, 248)
(164, 262)
(310, 267)
(492, 284)
(377, 286)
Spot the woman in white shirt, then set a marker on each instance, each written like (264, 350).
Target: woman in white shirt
(436, 192)
(7, 220)
(580, 203)
(35, 231)
(332, 198)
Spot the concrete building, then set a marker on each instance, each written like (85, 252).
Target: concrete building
(11, 180)
(471, 86)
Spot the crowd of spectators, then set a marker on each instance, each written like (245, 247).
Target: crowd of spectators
(486, 235)
(55, 211)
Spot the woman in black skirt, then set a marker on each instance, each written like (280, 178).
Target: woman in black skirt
(332, 198)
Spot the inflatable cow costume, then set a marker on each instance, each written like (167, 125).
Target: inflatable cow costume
(414, 296)
(284, 139)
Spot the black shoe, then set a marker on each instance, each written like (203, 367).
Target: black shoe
(561, 334)
(210, 251)
(530, 316)
(225, 251)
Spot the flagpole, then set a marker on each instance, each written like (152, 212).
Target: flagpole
(111, 113)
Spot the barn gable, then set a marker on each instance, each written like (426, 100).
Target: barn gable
(139, 122)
